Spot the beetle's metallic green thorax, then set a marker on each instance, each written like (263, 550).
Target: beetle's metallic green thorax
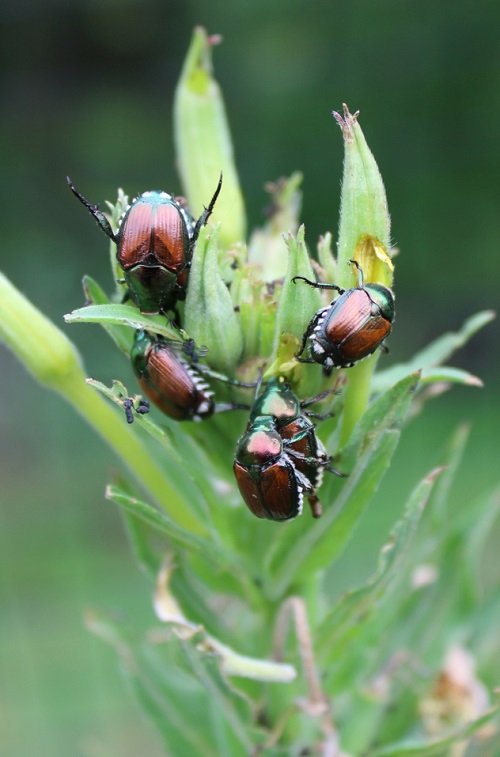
(384, 298)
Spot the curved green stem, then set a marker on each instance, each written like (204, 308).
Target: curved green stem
(54, 361)
(122, 439)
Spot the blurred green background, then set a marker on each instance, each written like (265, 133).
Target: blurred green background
(87, 90)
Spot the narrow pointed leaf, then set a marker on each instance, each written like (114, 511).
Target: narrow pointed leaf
(95, 295)
(161, 523)
(436, 747)
(124, 315)
(436, 353)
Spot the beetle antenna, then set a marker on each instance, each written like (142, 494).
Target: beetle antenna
(94, 211)
(202, 220)
(318, 284)
(361, 278)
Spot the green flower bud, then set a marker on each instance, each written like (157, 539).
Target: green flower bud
(364, 236)
(363, 210)
(209, 314)
(203, 141)
(267, 250)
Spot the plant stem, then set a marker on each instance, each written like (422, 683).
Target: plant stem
(53, 360)
(124, 441)
(356, 397)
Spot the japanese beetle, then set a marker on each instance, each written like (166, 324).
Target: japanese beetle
(154, 246)
(351, 327)
(171, 377)
(268, 479)
(279, 457)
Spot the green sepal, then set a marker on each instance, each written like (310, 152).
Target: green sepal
(326, 258)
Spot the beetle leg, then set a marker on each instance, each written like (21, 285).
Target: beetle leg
(224, 407)
(315, 504)
(307, 333)
(319, 416)
(94, 211)
(225, 379)
(316, 461)
(317, 398)
(384, 348)
(206, 213)
(318, 284)
(322, 461)
(333, 470)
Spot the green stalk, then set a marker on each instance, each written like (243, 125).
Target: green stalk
(53, 360)
(357, 394)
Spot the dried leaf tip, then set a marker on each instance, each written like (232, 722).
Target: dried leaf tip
(346, 122)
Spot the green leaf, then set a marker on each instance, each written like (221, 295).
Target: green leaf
(449, 375)
(138, 532)
(355, 608)
(442, 508)
(161, 523)
(374, 442)
(182, 691)
(196, 479)
(464, 547)
(436, 353)
(435, 746)
(187, 674)
(95, 295)
(124, 315)
(117, 393)
(222, 702)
